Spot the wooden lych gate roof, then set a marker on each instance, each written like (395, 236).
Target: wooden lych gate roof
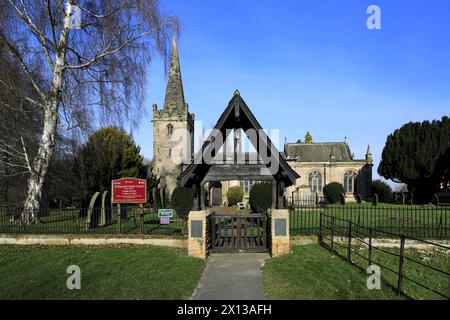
(237, 115)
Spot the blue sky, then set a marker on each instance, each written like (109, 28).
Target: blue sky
(311, 65)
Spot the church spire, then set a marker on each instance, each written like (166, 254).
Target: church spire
(174, 92)
(368, 154)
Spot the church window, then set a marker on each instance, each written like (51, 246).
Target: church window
(350, 181)
(170, 152)
(169, 129)
(315, 181)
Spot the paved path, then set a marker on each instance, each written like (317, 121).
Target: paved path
(232, 277)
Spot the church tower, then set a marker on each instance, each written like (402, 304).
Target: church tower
(173, 130)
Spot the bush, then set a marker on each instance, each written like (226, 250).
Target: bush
(261, 197)
(235, 195)
(333, 191)
(182, 201)
(383, 190)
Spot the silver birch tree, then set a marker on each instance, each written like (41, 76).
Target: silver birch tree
(88, 75)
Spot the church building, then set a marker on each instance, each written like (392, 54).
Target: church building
(317, 164)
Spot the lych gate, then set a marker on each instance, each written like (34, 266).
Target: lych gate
(238, 232)
(270, 166)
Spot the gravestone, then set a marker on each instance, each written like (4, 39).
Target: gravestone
(375, 200)
(342, 198)
(93, 213)
(105, 216)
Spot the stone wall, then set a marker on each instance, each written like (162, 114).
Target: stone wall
(334, 173)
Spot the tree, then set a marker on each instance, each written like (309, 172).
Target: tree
(18, 128)
(182, 201)
(235, 195)
(418, 154)
(109, 154)
(383, 190)
(72, 70)
(308, 137)
(333, 192)
(261, 197)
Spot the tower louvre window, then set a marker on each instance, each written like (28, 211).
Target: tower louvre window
(169, 129)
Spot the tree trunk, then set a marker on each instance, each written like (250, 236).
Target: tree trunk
(40, 164)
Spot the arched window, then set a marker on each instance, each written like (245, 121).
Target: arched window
(169, 129)
(350, 181)
(315, 181)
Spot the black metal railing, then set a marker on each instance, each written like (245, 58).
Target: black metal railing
(426, 222)
(133, 220)
(411, 272)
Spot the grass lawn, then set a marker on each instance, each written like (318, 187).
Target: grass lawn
(311, 272)
(414, 268)
(144, 272)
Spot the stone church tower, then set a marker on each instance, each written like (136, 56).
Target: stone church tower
(173, 130)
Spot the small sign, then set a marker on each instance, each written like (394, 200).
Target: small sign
(164, 220)
(280, 227)
(196, 228)
(165, 213)
(129, 190)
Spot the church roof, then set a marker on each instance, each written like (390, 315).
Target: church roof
(318, 152)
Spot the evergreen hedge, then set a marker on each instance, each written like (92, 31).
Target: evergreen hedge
(261, 197)
(182, 201)
(333, 192)
(235, 195)
(383, 190)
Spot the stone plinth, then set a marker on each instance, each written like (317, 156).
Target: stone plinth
(280, 232)
(197, 233)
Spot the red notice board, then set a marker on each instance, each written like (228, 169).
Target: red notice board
(129, 190)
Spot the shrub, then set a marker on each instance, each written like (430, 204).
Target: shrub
(333, 191)
(383, 190)
(182, 201)
(261, 197)
(235, 195)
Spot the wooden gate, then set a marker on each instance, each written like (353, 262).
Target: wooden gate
(238, 233)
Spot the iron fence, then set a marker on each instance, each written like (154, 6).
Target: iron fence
(133, 220)
(411, 272)
(426, 222)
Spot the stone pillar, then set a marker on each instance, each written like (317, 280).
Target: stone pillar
(280, 232)
(197, 233)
